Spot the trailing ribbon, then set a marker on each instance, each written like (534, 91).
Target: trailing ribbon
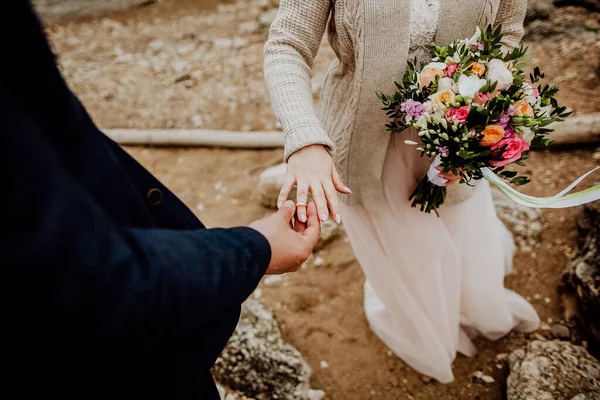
(561, 200)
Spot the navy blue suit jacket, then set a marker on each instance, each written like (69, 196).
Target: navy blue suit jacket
(111, 286)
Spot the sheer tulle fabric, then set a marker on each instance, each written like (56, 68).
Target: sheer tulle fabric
(432, 283)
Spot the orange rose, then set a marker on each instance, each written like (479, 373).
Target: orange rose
(478, 68)
(492, 134)
(429, 75)
(523, 108)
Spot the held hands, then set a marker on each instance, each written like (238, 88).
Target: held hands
(291, 244)
(312, 169)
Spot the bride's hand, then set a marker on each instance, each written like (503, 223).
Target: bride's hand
(312, 169)
(449, 176)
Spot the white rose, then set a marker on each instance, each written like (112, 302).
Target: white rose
(469, 86)
(497, 72)
(445, 84)
(436, 65)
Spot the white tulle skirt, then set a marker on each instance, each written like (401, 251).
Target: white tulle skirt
(433, 283)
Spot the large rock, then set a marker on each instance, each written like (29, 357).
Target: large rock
(581, 281)
(523, 222)
(553, 370)
(76, 8)
(259, 364)
(269, 185)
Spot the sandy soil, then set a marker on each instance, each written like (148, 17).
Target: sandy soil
(184, 63)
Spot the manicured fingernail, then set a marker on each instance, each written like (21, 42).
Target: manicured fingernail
(338, 218)
(324, 217)
(348, 189)
(302, 218)
(279, 204)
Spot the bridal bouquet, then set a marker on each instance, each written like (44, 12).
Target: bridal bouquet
(477, 113)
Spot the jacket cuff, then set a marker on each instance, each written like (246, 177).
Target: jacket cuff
(260, 250)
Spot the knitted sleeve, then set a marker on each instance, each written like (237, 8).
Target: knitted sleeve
(511, 15)
(294, 39)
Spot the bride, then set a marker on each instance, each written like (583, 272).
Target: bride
(431, 283)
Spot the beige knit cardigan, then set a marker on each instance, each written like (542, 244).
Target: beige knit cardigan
(371, 41)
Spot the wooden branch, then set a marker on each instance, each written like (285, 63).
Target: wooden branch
(197, 137)
(577, 129)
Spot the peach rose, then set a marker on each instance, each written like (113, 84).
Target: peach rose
(445, 96)
(478, 68)
(523, 108)
(429, 75)
(492, 134)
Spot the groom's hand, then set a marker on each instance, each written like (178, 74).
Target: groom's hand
(291, 244)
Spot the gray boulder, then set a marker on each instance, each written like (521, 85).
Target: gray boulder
(553, 370)
(259, 364)
(581, 281)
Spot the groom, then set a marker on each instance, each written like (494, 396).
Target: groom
(111, 287)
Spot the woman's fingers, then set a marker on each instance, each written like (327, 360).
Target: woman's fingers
(302, 201)
(337, 182)
(332, 199)
(320, 200)
(288, 184)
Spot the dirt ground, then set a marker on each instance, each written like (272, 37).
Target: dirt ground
(185, 63)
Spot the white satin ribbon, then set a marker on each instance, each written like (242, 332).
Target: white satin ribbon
(560, 200)
(433, 173)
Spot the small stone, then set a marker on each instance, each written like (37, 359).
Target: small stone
(480, 377)
(502, 357)
(324, 364)
(596, 155)
(258, 293)
(200, 207)
(389, 353)
(560, 331)
(318, 261)
(272, 279)
(316, 394)
(268, 17)
(197, 121)
(426, 379)
(537, 296)
(547, 300)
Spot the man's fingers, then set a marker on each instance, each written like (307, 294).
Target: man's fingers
(288, 184)
(320, 200)
(332, 199)
(287, 210)
(337, 182)
(313, 226)
(302, 201)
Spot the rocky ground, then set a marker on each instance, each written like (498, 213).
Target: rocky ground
(192, 63)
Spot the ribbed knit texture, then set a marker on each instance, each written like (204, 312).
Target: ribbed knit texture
(371, 41)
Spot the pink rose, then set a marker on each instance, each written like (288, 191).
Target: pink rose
(508, 151)
(458, 114)
(481, 98)
(450, 70)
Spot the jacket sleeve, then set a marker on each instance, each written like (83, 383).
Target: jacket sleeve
(294, 40)
(69, 260)
(511, 15)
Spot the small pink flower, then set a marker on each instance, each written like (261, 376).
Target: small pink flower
(458, 114)
(450, 70)
(508, 150)
(481, 98)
